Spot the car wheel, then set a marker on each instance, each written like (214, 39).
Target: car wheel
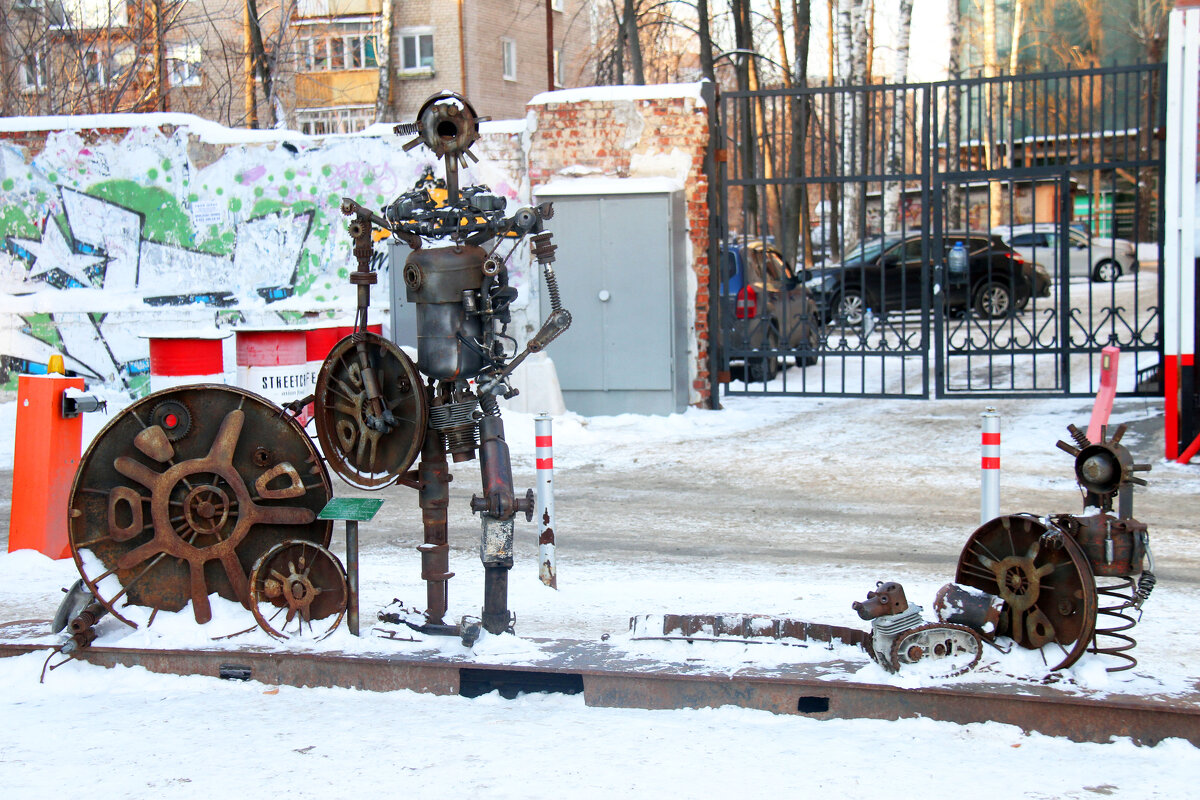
(1106, 271)
(761, 370)
(850, 307)
(993, 300)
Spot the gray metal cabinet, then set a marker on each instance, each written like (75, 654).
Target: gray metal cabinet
(621, 271)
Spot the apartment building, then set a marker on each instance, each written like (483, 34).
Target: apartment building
(496, 52)
(325, 58)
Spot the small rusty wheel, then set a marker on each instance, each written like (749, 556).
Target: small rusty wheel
(369, 443)
(295, 584)
(170, 502)
(1044, 577)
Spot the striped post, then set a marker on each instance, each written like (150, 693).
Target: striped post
(544, 440)
(1178, 277)
(989, 496)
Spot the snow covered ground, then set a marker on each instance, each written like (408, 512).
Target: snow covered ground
(130, 733)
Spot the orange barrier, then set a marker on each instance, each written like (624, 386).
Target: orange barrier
(45, 458)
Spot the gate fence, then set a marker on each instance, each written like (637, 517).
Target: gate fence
(840, 209)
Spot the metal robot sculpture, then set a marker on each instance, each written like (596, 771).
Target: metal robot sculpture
(376, 414)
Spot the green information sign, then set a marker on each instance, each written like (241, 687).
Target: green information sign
(355, 509)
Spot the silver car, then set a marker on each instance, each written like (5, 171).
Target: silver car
(1096, 257)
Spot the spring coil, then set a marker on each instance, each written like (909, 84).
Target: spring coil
(489, 406)
(543, 250)
(1120, 643)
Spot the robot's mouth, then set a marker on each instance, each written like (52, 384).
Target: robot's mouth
(447, 130)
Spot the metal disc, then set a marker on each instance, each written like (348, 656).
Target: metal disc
(370, 444)
(295, 584)
(1044, 577)
(162, 518)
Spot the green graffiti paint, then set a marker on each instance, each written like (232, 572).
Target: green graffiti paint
(290, 174)
(42, 328)
(8, 184)
(235, 204)
(15, 221)
(264, 207)
(165, 220)
(152, 174)
(326, 170)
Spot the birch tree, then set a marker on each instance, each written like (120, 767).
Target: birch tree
(894, 165)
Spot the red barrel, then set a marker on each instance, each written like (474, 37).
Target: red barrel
(184, 357)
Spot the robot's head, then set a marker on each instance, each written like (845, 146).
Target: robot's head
(447, 125)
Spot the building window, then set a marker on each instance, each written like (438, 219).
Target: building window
(508, 51)
(33, 72)
(558, 74)
(183, 64)
(416, 51)
(325, 121)
(93, 69)
(557, 5)
(338, 46)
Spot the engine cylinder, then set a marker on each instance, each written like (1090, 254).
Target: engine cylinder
(436, 279)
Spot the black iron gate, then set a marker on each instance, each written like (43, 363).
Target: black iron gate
(841, 210)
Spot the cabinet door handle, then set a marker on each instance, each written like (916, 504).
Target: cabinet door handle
(604, 295)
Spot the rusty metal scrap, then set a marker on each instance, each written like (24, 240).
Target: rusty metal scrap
(184, 490)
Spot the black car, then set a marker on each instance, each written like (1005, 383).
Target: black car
(884, 274)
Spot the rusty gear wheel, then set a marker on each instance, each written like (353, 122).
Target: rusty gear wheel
(302, 581)
(1044, 577)
(370, 443)
(159, 522)
(173, 417)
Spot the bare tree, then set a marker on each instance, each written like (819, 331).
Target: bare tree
(895, 140)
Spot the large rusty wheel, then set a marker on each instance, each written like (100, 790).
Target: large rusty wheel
(183, 491)
(296, 584)
(1044, 577)
(371, 411)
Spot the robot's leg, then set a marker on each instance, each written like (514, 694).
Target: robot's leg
(497, 507)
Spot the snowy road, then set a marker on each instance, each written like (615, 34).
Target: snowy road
(778, 506)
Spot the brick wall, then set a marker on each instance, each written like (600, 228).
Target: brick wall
(635, 132)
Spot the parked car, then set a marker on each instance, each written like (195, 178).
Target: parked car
(884, 274)
(1096, 257)
(766, 307)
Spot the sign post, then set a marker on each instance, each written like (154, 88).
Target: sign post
(353, 510)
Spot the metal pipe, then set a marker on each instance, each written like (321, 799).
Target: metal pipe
(352, 575)
(989, 496)
(543, 429)
(434, 476)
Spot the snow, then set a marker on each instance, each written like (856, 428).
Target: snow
(613, 94)
(604, 186)
(126, 732)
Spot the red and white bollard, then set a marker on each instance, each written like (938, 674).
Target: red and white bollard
(544, 440)
(989, 496)
(1110, 359)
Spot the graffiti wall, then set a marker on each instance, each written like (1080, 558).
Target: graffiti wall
(109, 237)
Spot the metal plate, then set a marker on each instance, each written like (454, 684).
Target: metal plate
(359, 452)
(174, 515)
(1043, 576)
